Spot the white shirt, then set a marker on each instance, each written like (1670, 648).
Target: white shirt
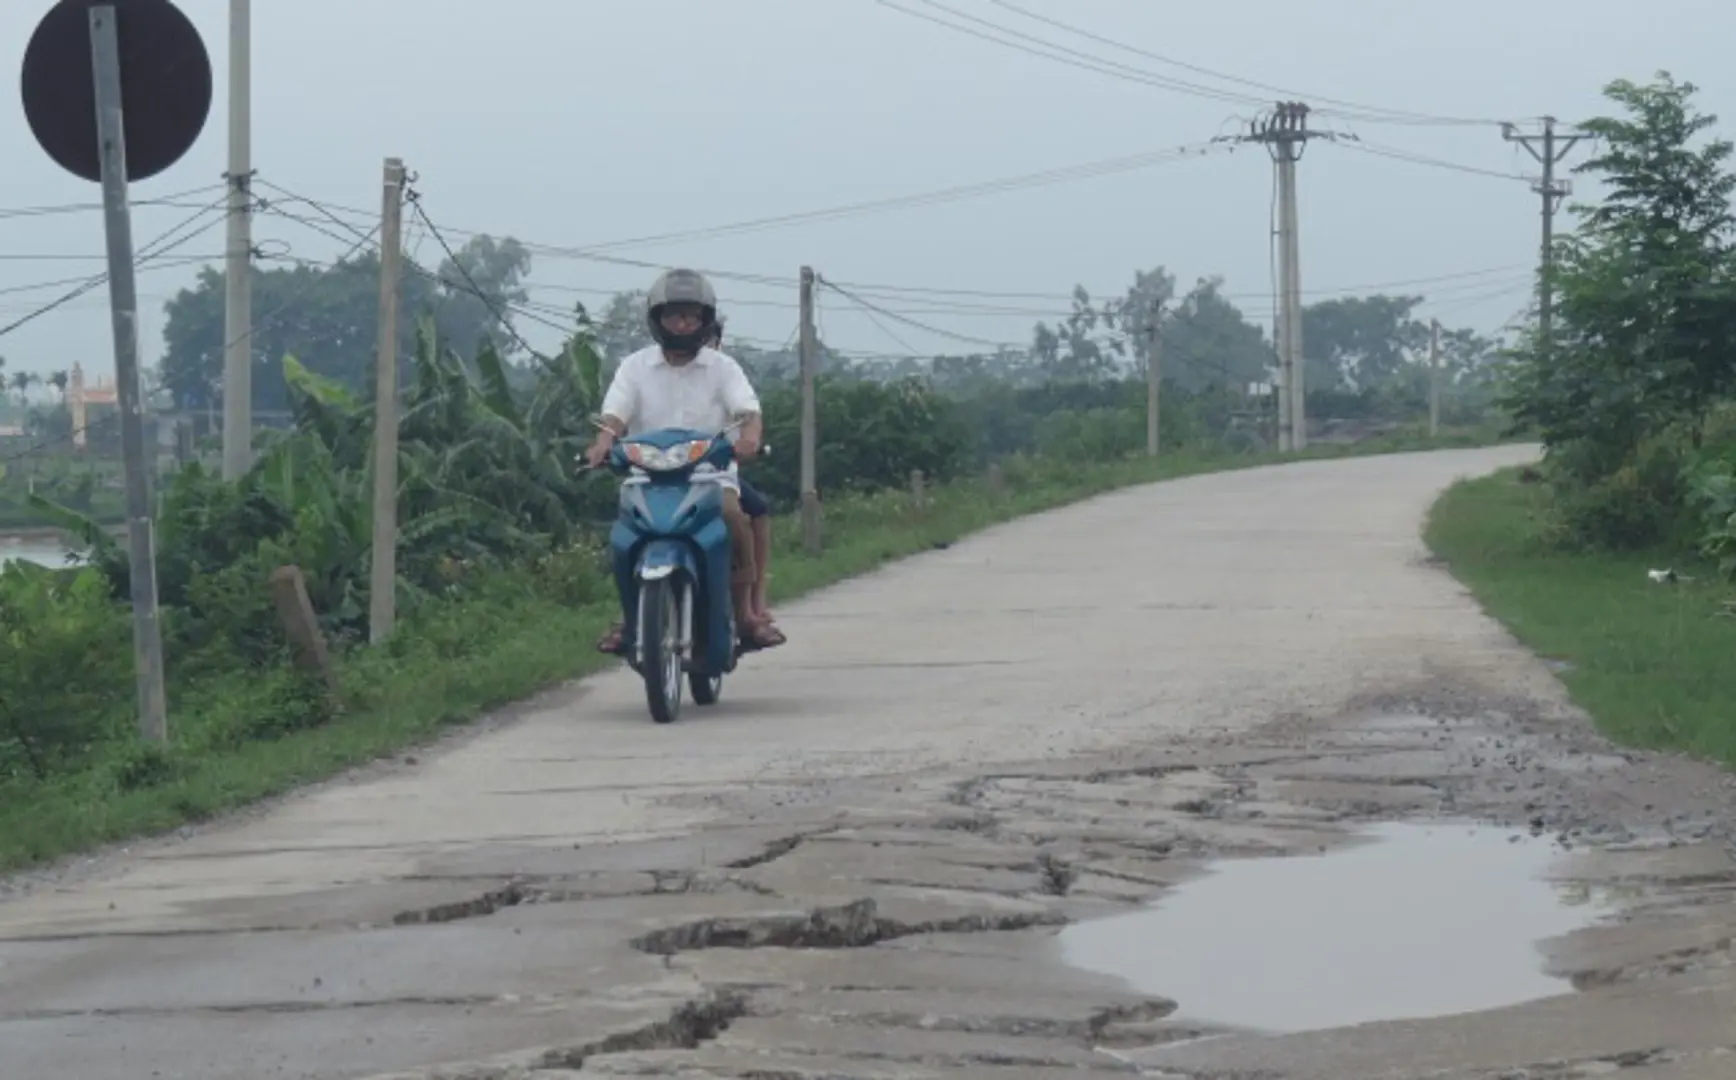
(705, 394)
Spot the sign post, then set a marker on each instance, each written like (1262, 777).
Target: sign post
(85, 63)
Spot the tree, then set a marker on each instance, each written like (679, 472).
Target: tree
(1645, 290)
(1357, 343)
(1085, 346)
(328, 316)
(476, 288)
(1207, 342)
(22, 381)
(622, 331)
(1152, 290)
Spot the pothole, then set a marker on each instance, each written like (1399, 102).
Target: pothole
(1423, 921)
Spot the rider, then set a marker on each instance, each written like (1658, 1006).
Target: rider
(759, 515)
(679, 382)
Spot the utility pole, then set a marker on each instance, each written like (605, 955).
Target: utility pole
(1153, 380)
(810, 362)
(1549, 147)
(1434, 377)
(124, 314)
(383, 582)
(238, 260)
(1285, 134)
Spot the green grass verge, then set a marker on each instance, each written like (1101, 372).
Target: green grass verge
(450, 665)
(1650, 663)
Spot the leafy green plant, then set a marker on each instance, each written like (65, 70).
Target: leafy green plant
(65, 671)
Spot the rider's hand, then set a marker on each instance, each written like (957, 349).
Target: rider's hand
(598, 452)
(746, 448)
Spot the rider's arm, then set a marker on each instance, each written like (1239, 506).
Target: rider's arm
(741, 401)
(619, 404)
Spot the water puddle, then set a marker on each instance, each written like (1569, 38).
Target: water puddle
(1425, 920)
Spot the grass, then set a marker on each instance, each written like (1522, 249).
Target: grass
(453, 663)
(1650, 663)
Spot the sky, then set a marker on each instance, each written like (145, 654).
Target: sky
(577, 124)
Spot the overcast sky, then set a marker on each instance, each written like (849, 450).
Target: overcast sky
(573, 123)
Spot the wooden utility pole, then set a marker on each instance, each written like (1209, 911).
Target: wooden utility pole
(238, 257)
(1549, 148)
(1285, 134)
(810, 362)
(124, 315)
(1434, 377)
(383, 582)
(1153, 380)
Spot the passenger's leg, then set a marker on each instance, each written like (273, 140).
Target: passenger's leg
(762, 554)
(742, 575)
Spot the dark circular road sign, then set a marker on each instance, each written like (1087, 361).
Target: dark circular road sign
(165, 85)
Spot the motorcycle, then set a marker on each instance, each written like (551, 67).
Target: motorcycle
(671, 554)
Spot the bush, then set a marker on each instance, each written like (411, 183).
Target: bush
(65, 668)
(1638, 503)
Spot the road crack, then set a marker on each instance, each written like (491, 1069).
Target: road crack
(849, 926)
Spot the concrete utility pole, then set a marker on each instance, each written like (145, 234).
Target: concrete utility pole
(1285, 134)
(1549, 147)
(1153, 380)
(129, 395)
(1434, 377)
(810, 362)
(383, 581)
(238, 260)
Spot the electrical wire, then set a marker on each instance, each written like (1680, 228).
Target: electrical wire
(1346, 110)
(859, 301)
(161, 245)
(1086, 171)
(173, 200)
(1362, 146)
(1072, 57)
(475, 289)
(1063, 174)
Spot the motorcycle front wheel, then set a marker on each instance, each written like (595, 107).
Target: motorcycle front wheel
(661, 633)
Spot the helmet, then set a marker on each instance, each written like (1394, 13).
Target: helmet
(681, 287)
(716, 338)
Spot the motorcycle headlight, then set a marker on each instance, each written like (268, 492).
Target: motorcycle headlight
(679, 456)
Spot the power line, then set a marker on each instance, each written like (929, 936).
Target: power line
(331, 211)
(906, 320)
(174, 200)
(1045, 177)
(475, 289)
(1397, 154)
(164, 264)
(1088, 170)
(1368, 113)
(1071, 57)
(161, 245)
(496, 307)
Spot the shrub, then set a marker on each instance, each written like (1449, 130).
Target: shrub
(65, 668)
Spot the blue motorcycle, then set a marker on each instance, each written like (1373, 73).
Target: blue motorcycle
(671, 554)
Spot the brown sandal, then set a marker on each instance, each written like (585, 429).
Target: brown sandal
(763, 635)
(610, 642)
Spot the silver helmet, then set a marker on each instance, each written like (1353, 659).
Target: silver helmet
(681, 287)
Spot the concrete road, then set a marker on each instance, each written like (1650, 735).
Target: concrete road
(887, 819)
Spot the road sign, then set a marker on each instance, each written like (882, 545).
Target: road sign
(165, 86)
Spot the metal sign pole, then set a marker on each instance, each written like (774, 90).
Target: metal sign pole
(124, 310)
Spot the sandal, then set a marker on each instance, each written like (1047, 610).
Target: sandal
(610, 642)
(762, 636)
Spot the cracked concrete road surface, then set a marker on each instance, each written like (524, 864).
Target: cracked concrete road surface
(857, 866)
